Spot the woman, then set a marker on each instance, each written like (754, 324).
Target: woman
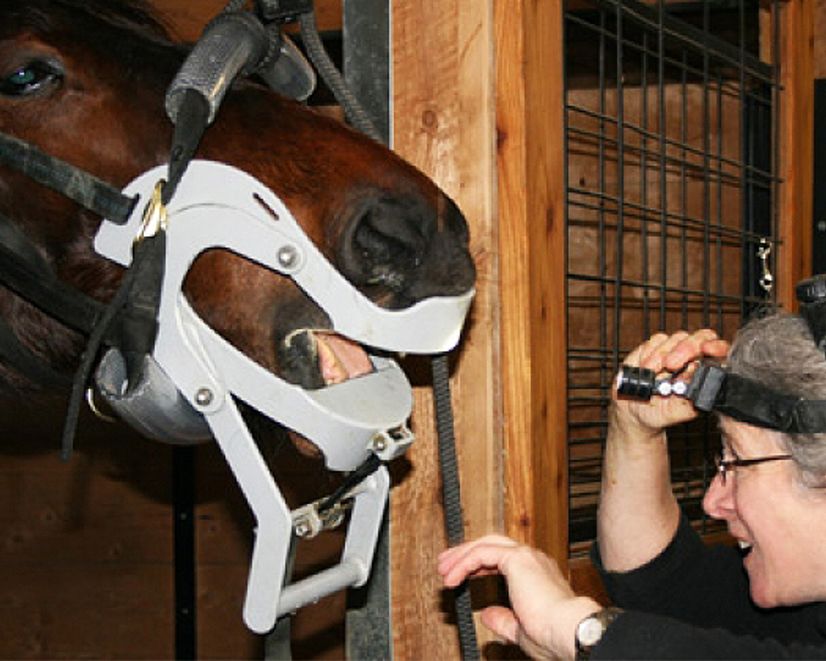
(678, 598)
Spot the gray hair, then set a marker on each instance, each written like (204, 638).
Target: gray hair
(778, 351)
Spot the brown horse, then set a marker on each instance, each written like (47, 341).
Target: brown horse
(84, 80)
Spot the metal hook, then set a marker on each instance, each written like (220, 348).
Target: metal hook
(763, 253)
(93, 407)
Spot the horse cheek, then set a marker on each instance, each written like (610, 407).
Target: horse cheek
(236, 298)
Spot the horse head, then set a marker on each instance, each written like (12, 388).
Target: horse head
(85, 81)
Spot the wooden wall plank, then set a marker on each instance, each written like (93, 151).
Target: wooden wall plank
(86, 545)
(532, 266)
(819, 42)
(794, 260)
(443, 122)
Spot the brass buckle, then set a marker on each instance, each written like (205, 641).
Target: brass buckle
(154, 216)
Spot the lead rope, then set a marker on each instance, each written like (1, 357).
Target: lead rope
(452, 499)
(451, 492)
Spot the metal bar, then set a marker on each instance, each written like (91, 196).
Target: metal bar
(725, 61)
(706, 168)
(603, 339)
(663, 161)
(183, 525)
(685, 33)
(644, 186)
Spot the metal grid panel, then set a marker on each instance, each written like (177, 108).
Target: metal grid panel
(671, 194)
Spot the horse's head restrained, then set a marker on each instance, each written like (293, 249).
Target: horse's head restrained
(174, 378)
(219, 206)
(714, 388)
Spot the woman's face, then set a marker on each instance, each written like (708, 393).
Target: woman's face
(768, 510)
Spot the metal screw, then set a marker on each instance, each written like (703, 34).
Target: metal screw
(287, 256)
(821, 226)
(379, 444)
(302, 528)
(203, 397)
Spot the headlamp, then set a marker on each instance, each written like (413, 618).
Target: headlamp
(714, 388)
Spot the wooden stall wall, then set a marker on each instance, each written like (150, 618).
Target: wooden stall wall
(86, 553)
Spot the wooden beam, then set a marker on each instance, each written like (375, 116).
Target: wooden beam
(443, 122)
(794, 260)
(530, 124)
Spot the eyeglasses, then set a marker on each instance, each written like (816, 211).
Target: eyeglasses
(726, 465)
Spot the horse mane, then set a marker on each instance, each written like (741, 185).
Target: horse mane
(129, 32)
(137, 16)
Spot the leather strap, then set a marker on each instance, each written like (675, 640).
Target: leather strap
(85, 189)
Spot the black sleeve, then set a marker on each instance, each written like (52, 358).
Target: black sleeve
(635, 635)
(706, 586)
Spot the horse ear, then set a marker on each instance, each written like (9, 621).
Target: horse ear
(289, 73)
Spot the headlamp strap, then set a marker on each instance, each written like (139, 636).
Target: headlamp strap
(811, 294)
(747, 401)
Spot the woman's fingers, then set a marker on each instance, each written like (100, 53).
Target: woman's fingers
(672, 353)
(694, 346)
(502, 622)
(644, 350)
(479, 557)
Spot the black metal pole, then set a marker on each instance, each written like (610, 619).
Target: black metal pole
(183, 496)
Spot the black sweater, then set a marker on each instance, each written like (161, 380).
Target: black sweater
(692, 602)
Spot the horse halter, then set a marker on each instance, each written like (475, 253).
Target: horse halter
(171, 376)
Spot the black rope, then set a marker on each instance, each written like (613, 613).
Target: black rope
(452, 499)
(368, 467)
(328, 71)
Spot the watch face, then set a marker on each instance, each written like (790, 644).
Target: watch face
(589, 631)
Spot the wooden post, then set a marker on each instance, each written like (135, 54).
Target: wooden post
(495, 144)
(530, 123)
(443, 122)
(794, 259)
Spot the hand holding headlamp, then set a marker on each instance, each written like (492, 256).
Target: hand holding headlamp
(713, 388)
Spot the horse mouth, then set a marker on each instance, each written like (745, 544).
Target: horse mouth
(328, 358)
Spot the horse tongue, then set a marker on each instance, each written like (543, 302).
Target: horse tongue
(340, 359)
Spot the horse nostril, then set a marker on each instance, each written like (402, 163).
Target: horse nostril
(387, 241)
(403, 247)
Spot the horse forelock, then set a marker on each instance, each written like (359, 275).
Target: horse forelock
(134, 15)
(126, 32)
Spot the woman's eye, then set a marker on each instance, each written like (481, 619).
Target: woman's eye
(29, 79)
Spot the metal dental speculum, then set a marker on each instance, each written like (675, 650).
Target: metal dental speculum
(218, 206)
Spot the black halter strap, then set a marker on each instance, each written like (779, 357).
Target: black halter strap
(27, 274)
(84, 188)
(128, 321)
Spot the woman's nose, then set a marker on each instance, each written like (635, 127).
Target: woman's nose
(718, 502)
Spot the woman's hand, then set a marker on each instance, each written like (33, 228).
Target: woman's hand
(544, 610)
(664, 354)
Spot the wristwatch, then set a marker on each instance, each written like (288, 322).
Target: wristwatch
(590, 631)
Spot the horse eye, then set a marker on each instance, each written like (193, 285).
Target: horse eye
(28, 79)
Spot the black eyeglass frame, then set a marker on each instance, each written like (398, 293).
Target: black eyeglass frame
(723, 466)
